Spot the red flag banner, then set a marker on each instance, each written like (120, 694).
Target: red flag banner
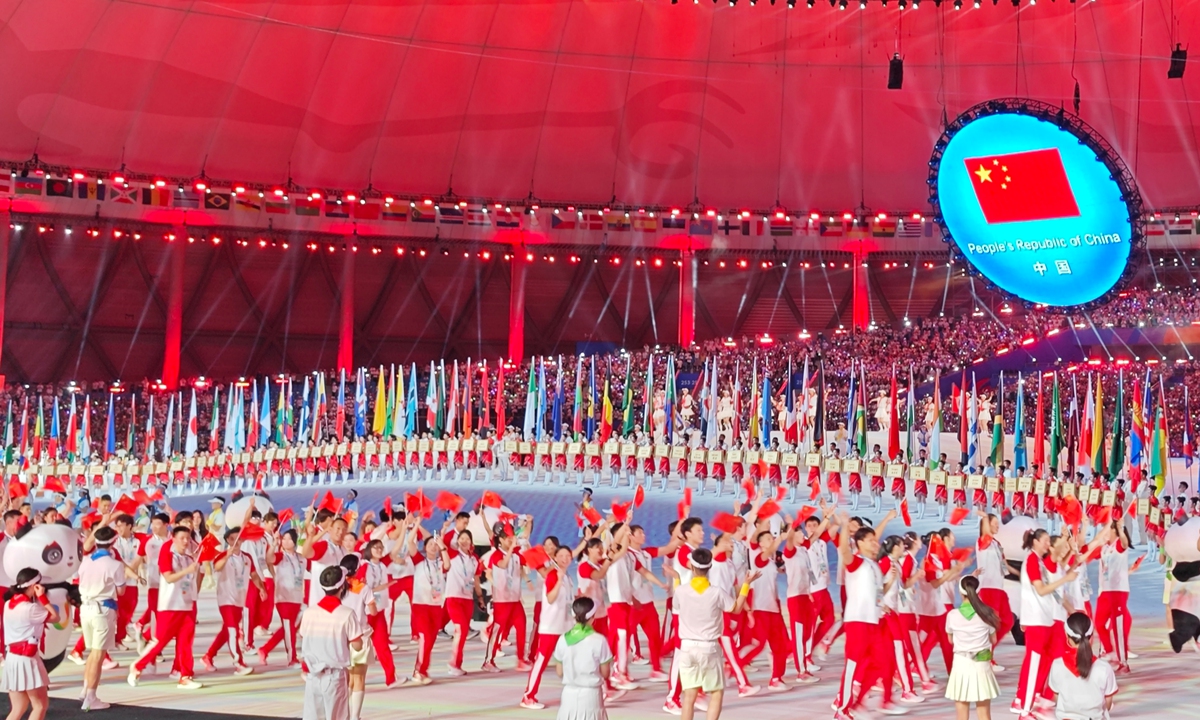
(639, 496)
(449, 502)
(1023, 186)
(726, 523)
(208, 548)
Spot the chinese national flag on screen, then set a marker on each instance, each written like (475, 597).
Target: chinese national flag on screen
(1022, 186)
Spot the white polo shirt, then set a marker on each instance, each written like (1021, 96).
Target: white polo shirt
(101, 577)
(178, 596)
(701, 614)
(327, 629)
(233, 580)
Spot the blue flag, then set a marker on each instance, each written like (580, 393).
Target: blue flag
(556, 412)
(410, 414)
(110, 434)
(360, 404)
(1019, 427)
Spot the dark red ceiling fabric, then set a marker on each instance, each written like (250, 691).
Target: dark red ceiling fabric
(575, 100)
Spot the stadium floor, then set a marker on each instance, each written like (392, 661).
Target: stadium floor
(1162, 684)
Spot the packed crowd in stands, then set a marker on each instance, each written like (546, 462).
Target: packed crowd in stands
(923, 346)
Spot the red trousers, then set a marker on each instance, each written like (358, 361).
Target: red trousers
(397, 588)
(933, 630)
(177, 625)
(1040, 651)
(869, 660)
(259, 610)
(506, 617)
(426, 621)
(801, 617)
(127, 601)
(382, 645)
(533, 634)
(901, 657)
(620, 627)
(769, 630)
(230, 633)
(460, 611)
(545, 648)
(998, 601)
(150, 612)
(912, 643)
(289, 616)
(1113, 621)
(823, 611)
(646, 617)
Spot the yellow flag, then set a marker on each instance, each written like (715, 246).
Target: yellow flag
(380, 420)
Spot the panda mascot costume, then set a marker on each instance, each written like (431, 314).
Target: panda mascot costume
(54, 551)
(1182, 545)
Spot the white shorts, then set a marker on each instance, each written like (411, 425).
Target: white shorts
(701, 665)
(99, 627)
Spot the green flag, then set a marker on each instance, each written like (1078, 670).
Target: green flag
(391, 402)
(998, 428)
(1056, 434)
(1117, 459)
(627, 401)
(1157, 469)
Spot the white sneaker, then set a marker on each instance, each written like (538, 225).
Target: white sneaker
(624, 683)
(94, 705)
(133, 677)
(1131, 655)
(242, 670)
(910, 698)
(672, 707)
(747, 691)
(455, 672)
(189, 684)
(531, 704)
(892, 709)
(805, 679)
(76, 658)
(397, 682)
(109, 664)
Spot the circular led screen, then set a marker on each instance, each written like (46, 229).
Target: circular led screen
(1036, 202)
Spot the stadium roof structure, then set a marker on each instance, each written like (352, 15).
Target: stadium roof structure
(638, 101)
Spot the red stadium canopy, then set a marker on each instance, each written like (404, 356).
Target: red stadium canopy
(578, 101)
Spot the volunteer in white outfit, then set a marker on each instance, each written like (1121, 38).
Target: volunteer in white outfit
(701, 610)
(27, 609)
(972, 627)
(557, 595)
(1085, 685)
(331, 633)
(101, 578)
(584, 662)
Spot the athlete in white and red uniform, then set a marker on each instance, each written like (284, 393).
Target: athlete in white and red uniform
(769, 628)
(797, 565)
(1112, 605)
(644, 611)
(990, 564)
(691, 532)
(723, 575)
(868, 661)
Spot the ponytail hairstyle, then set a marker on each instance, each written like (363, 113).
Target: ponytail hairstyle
(970, 590)
(1079, 633)
(986, 522)
(26, 579)
(1031, 536)
(890, 543)
(584, 610)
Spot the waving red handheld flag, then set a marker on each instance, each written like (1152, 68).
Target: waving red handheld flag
(682, 508)
(958, 514)
(449, 502)
(904, 513)
(726, 523)
(767, 509)
(592, 515)
(806, 511)
(208, 548)
(491, 499)
(412, 504)
(1071, 511)
(330, 503)
(53, 484)
(639, 496)
(17, 489)
(125, 506)
(141, 497)
(1024, 186)
(252, 532)
(751, 490)
(620, 510)
(687, 497)
(535, 557)
(285, 515)
(960, 554)
(780, 492)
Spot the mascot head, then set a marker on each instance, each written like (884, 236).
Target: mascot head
(237, 512)
(53, 550)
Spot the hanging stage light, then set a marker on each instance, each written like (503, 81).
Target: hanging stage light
(896, 71)
(1178, 63)
(842, 4)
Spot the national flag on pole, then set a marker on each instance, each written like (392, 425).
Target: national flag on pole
(1187, 427)
(264, 416)
(648, 398)
(1072, 441)
(627, 399)
(1087, 423)
(972, 423)
(360, 403)
(110, 432)
(860, 417)
(935, 432)
(790, 427)
(397, 400)
(189, 447)
(530, 402)
(340, 430)
(501, 416)
(1160, 447)
(540, 414)
(577, 412)
(755, 424)
(85, 430)
(710, 439)
(390, 411)
(25, 430)
(410, 413)
(304, 392)
(72, 430)
(1056, 433)
(1020, 458)
(38, 432)
(379, 419)
(253, 432)
(1097, 450)
(910, 417)
(166, 449)
(819, 414)
(1137, 430)
(214, 421)
(735, 423)
(1116, 461)
(132, 423)
(852, 405)
(148, 440)
(765, 407)
(998, 428)
(669, 399)
(451, 419)
(52, 443)
(1039, 433)
(606, 412)
(556, 408)
(893, 440)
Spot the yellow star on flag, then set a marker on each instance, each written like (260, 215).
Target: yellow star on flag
(984, 174)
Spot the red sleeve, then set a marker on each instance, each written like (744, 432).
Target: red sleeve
(1121, 547)
(760, 561)
(141, 551)
(985, 542)
(652, 552)
(720, 557)
(854, 564)
(885, 565)
(451, 552)
(836, 539)
(906, 567)
(319, 549)
(637, 565)
(448, 539)
(1050, 564)
(930, 572)
(1031, 570)
(479, 568)
(551, 580)
(789, 552)
(165, 564)
(586, 570)
(684, 555)
(278, 557)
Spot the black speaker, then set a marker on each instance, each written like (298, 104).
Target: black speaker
(896, 73)
(1178, 63)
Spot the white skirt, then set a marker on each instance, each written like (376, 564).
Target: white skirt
(23, 673)
(971, 681)
(582, 703)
